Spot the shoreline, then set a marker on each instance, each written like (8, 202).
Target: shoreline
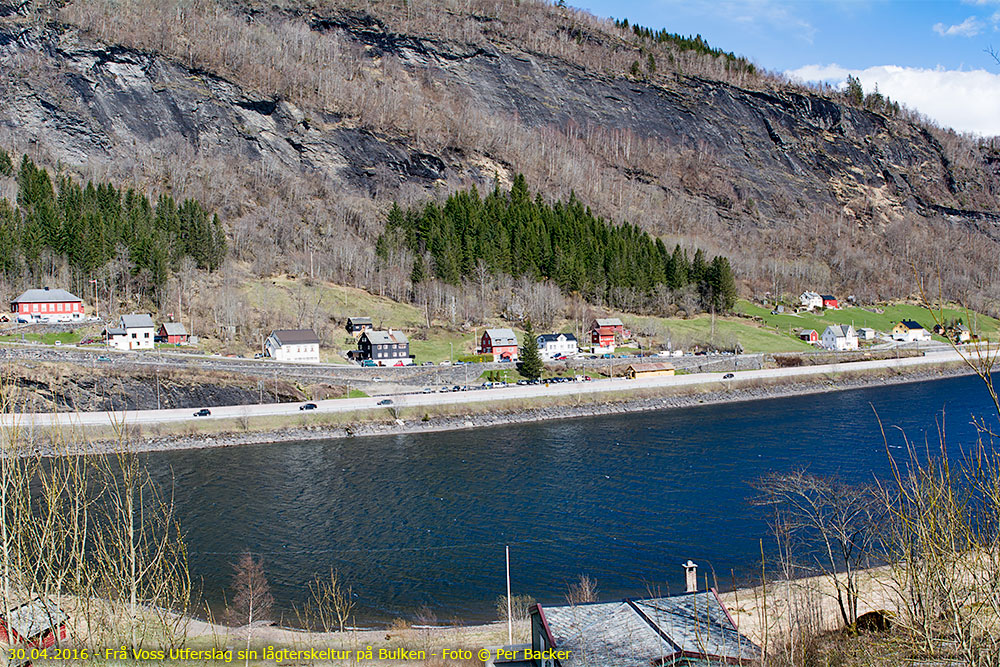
(637, 400)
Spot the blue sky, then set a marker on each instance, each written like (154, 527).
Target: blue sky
(930, 55)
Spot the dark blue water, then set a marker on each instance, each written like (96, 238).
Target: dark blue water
(421, 520)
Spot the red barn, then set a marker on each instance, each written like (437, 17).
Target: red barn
(501, 343)
(809, 335)
(607, 332)
(35, 624)
(830, 301)
(173, 333)
(47, 305)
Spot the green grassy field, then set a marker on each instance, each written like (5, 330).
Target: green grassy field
(726, 330)
(789, 324)
(64, 337)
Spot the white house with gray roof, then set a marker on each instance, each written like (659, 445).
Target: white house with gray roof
(134, 332)
(293, 345)
(840, 337)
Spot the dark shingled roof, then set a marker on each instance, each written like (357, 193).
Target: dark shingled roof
(650, 631)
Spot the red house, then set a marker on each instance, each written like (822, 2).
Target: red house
(35, 624)
(809, 335)
(830, 301)
(47, 305)
(501, 343)
(173, 333)
(607, 332)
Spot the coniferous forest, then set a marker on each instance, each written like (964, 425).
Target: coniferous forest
(518, 234)
(88, 226)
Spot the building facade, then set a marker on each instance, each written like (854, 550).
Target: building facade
(358, 325)
(909, 331)
(47, 305)
(173, 333)
(840, 337)
(134, 332)
(555, 345)
(384, 348)
(607, 333)
(501, 343)
(293, 345)
(811, 300)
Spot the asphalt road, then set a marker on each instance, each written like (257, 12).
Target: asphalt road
(467, 397)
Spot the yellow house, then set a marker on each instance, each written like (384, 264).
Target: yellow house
(649, 370)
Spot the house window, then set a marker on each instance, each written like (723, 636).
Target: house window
(146, 335)
(133, 335)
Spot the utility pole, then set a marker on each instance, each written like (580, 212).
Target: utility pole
(510, 621)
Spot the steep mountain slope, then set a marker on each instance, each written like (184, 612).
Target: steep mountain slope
(300, 121)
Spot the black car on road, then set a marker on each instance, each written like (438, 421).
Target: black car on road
(728, 376)
(204, 412)
(307, 406)
(385, 401)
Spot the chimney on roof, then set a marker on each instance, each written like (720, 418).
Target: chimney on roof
(690, 576)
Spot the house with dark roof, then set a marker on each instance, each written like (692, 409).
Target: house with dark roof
(47, 305)
(501, 343)
(688, 630)
(809, 336)
(384, 348)
(908, 331)
(555, 345)
(293, 345)
(358, 325)
(830, 301)
(37, 624)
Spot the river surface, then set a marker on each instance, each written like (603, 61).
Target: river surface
(417, 523)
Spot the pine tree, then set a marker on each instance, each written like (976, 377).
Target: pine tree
(531, 365)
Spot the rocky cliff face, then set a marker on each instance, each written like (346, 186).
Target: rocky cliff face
(683, 155)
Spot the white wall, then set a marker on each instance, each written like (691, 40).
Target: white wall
(299, 353)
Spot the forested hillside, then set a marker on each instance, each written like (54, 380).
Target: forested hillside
(515, 234)
(301, 124)
(98, 231)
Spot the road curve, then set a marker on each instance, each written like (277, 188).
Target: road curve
(465, 397)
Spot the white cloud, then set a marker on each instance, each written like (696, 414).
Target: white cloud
(970, 27)
(968, 101)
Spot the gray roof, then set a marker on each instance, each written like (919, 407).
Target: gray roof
(137, 321)
(644, 632)
(45, 296)
(502, 336)
(295, 337)
(609, 322)
(114, 331)
(841, 330)
(385, 337)
(35, 617)
(174, 329)
(359, 320)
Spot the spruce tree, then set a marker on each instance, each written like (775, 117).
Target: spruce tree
(531, 365)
